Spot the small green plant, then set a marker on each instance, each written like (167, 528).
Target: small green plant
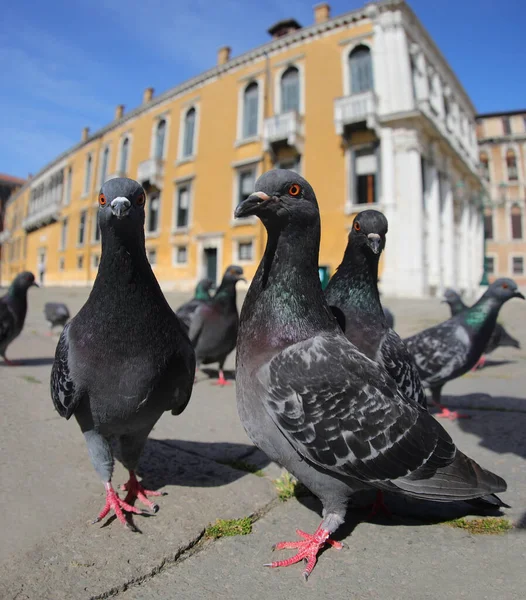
(241, 465)
(485, 525)
(229, 528)
(30, 379)
(288, 486)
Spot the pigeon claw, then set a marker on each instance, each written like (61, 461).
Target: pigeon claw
(221, 379)
(136, 490)
(113, 502)
(445, 413)
(308, 549)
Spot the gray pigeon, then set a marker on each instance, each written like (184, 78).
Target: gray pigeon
(450, 349)
(499, 338)
(213, 330)
(202, 295)
(312, 401)
(125, 358)
(13, 310)
(56, 313)
(353, 291)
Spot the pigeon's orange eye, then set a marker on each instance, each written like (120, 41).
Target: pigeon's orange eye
(102, 199)
(357, 226)
(505, 286)
(141, 200)
(294, 189)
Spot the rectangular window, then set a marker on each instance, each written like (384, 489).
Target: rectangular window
(293, 164)
(64, 234)
(183, 205)
(488, 225)
(152, 256)
(245, 250)
(96, 227)
(95, 259)
(490, 265)
(506, 126)
(152, 222)
(69, 183)
(61, 264)
(246, 180)
(80, 261)
(87, 174)
(82, 228)
(365, 179)
(180, 255)
(516, 223)
(518, 265)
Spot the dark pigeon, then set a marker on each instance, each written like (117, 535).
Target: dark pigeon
(13, 310)
(56, 313)
(389, 317)
(450, 349)
(202, 295)
(499, 338)
(125, 358)
(213, 331)
(353, 292)
(312, 401)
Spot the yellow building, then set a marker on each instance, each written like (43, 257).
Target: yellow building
(502, 142)
(363, 104)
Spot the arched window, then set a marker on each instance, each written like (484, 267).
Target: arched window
(484, 165)
(361, 69)
(511, 164)
(104, 165)
(516, 222)
(160, 134)
(290, 90)
(125, 148)
(189, 132)
(250, 110)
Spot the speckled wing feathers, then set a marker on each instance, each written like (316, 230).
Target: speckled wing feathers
(63, 391)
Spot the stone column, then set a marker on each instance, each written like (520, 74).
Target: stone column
(433, 228)
(447, 226)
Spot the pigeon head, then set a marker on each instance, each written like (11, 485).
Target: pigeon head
(234, 274)
(450, 296)
(204, 286)
(368, 231)
(280, 196)
(504, 289)
(121, 204)
(23, 281)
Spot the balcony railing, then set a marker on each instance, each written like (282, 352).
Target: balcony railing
(151, 170)
(356, 108)
(280, 128)
(42, 216)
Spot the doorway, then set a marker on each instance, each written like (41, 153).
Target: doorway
(210, 263)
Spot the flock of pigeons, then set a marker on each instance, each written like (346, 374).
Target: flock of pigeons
(325, 386)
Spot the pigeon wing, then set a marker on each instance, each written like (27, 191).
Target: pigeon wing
(7, 322)
(400, 365)
(63, 393)
(342, 411)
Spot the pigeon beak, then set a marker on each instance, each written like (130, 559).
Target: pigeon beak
(374, 242)
(251, 204)
(120, 207)
(518, 295)
(35, 284)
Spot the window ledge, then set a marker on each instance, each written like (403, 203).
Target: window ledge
(350, 209)
(180, 265)
(252, 220)
(80, 246)
(249, 140)
(180, 230)
(152, 234)
(184, 159)
(240, 261)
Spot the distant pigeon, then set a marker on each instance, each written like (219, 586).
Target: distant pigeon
(312, 401)
(13, 309)
(56, 313)
(499, 338)
(202, 295)
(353, 292)
(125, 358)
(389, 317)
(450, 349)
(213, 330)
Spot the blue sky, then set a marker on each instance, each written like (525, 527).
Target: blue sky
(68, 64)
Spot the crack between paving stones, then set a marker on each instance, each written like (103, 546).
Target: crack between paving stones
(195, 546)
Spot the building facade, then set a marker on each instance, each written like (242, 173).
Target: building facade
(362, 104)
(8, 186)
(502, 144)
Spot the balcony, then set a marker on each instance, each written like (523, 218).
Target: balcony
(151, 171)
(4, 236)
(115, 175)
(49, 213)
(283, 128)
(357, 108)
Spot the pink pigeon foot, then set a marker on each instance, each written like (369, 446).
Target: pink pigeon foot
(114, 502)
(221, 380)
(480, 363)
(136, 490)
(445, 413)
(307, 549)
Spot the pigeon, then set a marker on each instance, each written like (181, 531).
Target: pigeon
(450, 349)
(13, 310)
(202, 295)
(353, 292)
(56, 313)
(125, 358)
(213, 330)
(499, 338)
(312, 401)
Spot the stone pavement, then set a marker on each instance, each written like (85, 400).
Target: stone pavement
(50, 493)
